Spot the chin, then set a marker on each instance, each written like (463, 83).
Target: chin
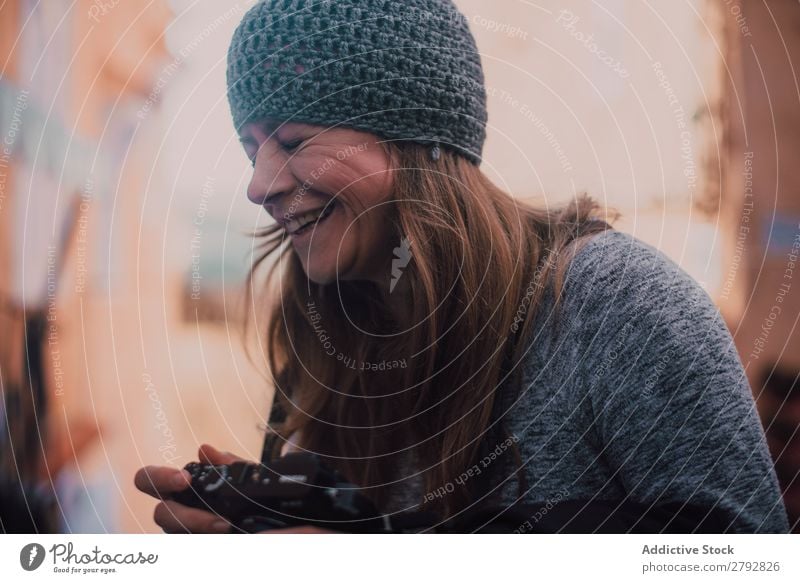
(321, 278)
(326, 275)
(320, 274)
(324, 267)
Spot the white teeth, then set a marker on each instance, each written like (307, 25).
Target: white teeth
(297, 223)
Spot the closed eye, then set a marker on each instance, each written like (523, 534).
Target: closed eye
(250, 146)
(292, 145)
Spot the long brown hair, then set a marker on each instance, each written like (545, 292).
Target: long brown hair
(481, 264)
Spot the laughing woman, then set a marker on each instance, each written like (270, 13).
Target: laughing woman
(440, 342)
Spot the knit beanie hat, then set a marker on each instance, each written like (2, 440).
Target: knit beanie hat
(400, 69)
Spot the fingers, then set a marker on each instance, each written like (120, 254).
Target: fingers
(210, 455)
(159, 481)
(177, 518)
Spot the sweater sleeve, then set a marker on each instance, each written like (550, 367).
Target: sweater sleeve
(673, 414)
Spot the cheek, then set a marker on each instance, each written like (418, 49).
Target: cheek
(371, 237)
(368, 195)
(360, 181)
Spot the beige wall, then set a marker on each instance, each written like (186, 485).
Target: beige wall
(8, 66)
(127, 365)
(760, 216)
(763, 124)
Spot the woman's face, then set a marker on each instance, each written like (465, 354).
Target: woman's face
(329, 188)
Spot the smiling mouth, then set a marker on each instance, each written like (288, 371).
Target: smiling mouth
(303, 223)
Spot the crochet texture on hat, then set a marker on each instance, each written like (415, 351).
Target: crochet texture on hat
(403, 70)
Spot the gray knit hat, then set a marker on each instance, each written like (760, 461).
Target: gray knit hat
(400, 69)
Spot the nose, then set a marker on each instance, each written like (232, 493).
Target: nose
(271, 178)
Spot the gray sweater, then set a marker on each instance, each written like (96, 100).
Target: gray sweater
(640, 395)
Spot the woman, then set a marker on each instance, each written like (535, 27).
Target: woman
(441, 343)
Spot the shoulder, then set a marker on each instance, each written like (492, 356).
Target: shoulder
(612, 260)
(665, 389)
(647, 337)
(618, 291)
(615, 279)
(632, 323)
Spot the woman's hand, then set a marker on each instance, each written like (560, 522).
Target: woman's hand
(161, 481)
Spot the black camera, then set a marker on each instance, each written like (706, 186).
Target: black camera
(296, 489)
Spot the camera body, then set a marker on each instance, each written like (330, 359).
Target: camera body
(299, 490)
(296, 489)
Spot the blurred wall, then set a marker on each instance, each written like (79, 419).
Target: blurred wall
(760, 213)
(129, 382)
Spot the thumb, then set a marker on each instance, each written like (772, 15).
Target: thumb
(211, 455)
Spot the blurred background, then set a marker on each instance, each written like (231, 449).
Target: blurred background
(124, 225)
